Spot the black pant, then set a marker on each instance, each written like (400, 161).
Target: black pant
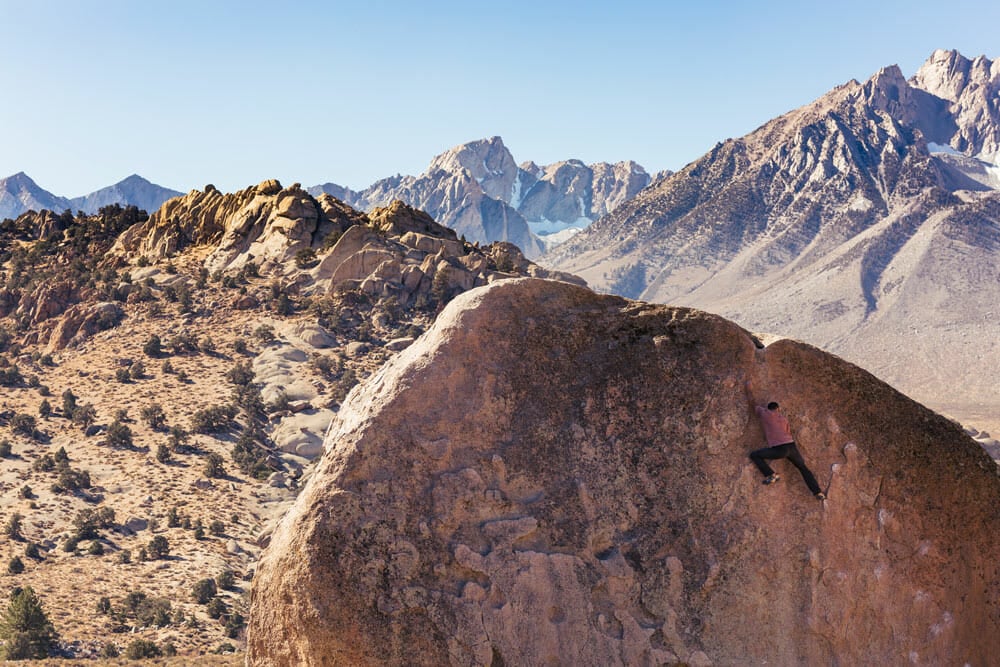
(787, 451)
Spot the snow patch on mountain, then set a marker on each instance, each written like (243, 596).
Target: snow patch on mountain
(942, 148)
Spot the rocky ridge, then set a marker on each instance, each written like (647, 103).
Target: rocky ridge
(478, 190)
(318, 245)
(553, 476)
(866, 218)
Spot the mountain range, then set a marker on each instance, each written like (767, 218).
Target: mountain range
(478, 190)
(19, 194)
(475, 188)
(867, 222)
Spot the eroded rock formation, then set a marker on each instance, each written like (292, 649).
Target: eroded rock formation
(549, 476)
(393, 251)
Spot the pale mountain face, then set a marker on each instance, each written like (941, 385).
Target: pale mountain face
(134, 190)
(18, 193)
(866, 222)
(479, 190)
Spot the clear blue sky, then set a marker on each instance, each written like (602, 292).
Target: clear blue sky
(188, 93)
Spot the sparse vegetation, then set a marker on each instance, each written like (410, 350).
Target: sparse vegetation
(24, 424)
(305, 258)
(177, 437)
(84, 415)
(226, 580)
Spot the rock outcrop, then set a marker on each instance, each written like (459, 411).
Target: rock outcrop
(549, 476)
(321, 245)
(266, 224)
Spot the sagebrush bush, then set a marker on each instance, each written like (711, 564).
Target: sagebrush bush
(214, 466)
(204, 591)
(226, 580)
(215, 608)
(217, 419)
(153, 415)
(119, 435)
(153, 346)
(12, 528)
(139, 649)
(158, 548)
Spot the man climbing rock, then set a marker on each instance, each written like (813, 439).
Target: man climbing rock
(781, 445)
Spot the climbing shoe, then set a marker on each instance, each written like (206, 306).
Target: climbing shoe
(771, 479)
(821, 496)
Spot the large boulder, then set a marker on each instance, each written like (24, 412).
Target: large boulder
(550, 476)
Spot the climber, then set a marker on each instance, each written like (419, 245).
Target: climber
(781, 445)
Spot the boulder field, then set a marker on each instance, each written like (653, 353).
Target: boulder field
(550, 476)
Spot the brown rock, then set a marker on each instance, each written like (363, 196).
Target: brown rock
(549, 476)
(246, 302)
(81, 321)
(48, 300)
(269, 187)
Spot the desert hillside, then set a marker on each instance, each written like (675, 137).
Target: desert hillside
(167, 381)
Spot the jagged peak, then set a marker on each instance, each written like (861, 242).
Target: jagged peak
(474, 156)
(888, 84)
(947, 73)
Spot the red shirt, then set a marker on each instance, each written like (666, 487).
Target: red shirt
(775, 426)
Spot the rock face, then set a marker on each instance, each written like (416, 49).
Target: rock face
(868, 217)
(479, 191)
(549, 476)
